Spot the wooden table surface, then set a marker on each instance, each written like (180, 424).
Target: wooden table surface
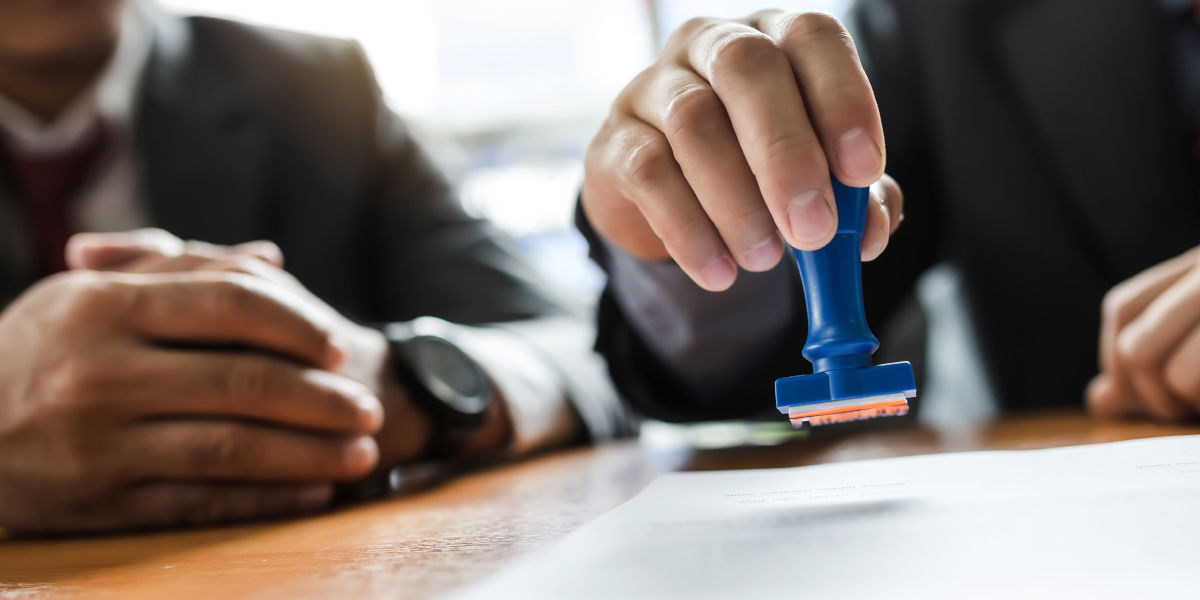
(424, 544)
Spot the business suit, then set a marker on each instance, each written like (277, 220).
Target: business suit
(248, 133)
(1040, 151)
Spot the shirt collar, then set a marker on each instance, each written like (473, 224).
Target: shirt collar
(110, 99)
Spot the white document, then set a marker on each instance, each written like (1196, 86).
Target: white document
(1117, 520)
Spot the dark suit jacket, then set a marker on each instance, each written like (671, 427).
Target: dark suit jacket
(247, 133)
(1039, 148)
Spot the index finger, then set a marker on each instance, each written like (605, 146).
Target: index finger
(231, 309)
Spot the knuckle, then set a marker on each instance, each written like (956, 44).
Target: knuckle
(72, 382)
(160, 240)
(740, 50)
(683, 228)
(250, 379)
(198, 249)
(690, 29)
(88, 296)
(796, 144)
(242, 265)
(692, 109)
(227, 296)
(751, 217)
(219, 447)
(647, 164)
(1113, 307)
(1133, 351)
(809, 25)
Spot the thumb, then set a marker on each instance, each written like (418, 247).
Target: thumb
(110, 250)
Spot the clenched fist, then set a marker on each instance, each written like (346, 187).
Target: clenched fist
(722, 149)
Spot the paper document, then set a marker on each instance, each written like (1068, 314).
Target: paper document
(1117, 520)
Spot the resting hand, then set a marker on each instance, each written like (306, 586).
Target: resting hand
(727, 141)
(405, 429)
(133, 400)
(1150, 344)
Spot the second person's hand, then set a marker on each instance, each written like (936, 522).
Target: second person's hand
(1150, 344)
(727, 141)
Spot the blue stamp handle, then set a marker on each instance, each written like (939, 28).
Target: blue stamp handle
(840, 343)
(838, 335)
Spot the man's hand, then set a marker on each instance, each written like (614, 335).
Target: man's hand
(131, 400)
(405, 430)
(728, 139)
(1150, 344)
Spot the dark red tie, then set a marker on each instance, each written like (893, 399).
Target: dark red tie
(47, 186)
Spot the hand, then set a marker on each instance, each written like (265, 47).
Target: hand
(728, 139)
(117, 409)
(1150, 344)
(405, 429)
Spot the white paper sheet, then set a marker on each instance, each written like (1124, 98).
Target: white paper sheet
(1117, 520)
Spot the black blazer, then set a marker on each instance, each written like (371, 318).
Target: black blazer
(248, 133)
(1040, 150)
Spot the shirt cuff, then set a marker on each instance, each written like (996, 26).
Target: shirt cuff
(531, 389)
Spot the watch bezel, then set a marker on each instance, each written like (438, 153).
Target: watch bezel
(418, 350)
(451, 426)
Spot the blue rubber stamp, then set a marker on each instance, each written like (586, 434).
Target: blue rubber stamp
(844, 385)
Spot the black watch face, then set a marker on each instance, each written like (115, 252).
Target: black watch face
(450, 374)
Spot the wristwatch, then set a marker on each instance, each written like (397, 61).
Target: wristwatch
(448, 385)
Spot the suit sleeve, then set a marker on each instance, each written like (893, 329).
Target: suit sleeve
(644, 307)
(887, 36)
(435, 263)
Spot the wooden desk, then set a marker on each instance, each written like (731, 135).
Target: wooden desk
(421, 545)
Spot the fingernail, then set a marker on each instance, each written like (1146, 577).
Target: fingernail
(763, 255)
(810, 218)
(719, 274)
(858, 156)
(315, 497)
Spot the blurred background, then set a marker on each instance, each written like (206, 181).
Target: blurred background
(507, 93)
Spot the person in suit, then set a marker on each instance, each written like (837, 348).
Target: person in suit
(1046, 148)
(151, 381)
